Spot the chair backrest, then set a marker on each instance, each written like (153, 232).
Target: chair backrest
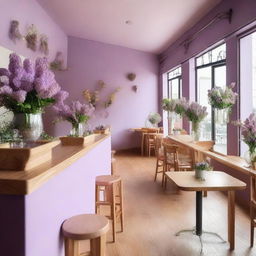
(158, 147)
(171, 154)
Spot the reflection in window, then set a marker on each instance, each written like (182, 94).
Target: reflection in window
(247, 79)
(211, 72)
(175, 88)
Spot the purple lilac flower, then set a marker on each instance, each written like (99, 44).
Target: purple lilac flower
(6, 90)
(4, 80)
(50, 92)
(4, 72)
(60, 97)
(15, 63)
(19, 95)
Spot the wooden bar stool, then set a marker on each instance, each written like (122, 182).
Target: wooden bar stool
(85, 227)
(109, 192)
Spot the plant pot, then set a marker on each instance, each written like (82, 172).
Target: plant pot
(200, 174)
(30, 126)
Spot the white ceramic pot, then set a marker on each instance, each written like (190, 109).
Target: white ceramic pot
(200, 174)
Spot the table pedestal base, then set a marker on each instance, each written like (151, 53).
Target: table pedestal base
(193, 231)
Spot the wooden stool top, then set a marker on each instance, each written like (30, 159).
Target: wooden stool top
(105, 180)
(85, 226)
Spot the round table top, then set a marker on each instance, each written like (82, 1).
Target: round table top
(85, 226)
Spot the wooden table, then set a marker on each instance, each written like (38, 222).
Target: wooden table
(215, 181)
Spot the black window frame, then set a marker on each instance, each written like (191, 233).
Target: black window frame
(213, 65)
(169, 80)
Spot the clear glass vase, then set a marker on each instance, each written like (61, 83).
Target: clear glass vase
(222, 116)
(77, 130)
(30, 126)
(171, 121)
(250, 158)
(195, 130)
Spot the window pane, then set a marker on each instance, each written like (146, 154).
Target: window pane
(203, 85)
(220, 129)
(175, 89)
(219, 53)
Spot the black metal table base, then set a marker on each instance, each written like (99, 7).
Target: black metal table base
(199, 217)
(193, 231)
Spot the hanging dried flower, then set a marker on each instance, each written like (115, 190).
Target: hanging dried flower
(14, 32)
(111, 98)
(91, 97)
(43, 46)
(32, 37)
(58, 63)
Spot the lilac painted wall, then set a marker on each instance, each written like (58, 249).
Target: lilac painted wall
(89, 62)
(29, 12)
(31, 224)
(243, 14)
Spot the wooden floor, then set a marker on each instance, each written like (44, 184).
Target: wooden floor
(152, 217)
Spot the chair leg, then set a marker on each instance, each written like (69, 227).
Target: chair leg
(113, 212)
(142, 145)
(164, 169)
(121, 206)
(252, 226)
(157, 165)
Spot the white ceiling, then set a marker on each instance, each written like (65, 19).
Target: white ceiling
(155, 24)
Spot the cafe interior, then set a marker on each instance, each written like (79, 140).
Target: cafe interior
(128, 128)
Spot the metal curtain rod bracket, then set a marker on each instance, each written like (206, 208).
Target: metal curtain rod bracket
(218, 17)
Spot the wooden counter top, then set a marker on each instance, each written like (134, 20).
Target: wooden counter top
(25, 182)
(235, 162)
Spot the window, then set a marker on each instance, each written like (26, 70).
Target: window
(174, 83)
(175, 90)
(211, 72)
(247, 79)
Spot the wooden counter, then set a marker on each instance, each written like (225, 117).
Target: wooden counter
(25, 182)
(234, 162)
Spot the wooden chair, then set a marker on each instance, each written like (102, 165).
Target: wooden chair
(253, 208)
(170, 160)
(85, 227)
(145, 132)
(109, 192)
(159, 152)
(150, 141)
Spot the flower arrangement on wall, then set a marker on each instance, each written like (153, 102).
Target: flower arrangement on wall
(111, 97)
(58, 63)
(31, 37)
(92, 97)
(43, 45)
(14, 31)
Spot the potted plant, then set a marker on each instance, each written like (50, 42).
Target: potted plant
(101, 129)
(200, 169)
(26, 89)
(222, 100)
(153, 120)
(77, 114)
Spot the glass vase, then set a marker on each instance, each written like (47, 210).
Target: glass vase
(250, 158)
(77, 130)
(30, 126)
(195, 131)
(171, 121)
(222, 116)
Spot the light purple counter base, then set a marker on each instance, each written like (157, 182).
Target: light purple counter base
(31, 224)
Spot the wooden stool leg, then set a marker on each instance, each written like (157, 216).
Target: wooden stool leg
(113, 211)
(96, 199)
(98, 246)
(121, 205)
(142, 145)
(71, 247)
(163, 177)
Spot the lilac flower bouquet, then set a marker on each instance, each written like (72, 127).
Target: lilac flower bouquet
(181, 106)
(248, 131)
(169, 104)
(76, 113)
(195, 113)
(220, 98)
(27, 87)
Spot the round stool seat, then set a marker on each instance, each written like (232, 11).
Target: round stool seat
(85, 226)
(105, 180)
